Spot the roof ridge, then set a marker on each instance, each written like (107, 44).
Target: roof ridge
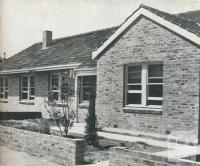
(166, 13)
(84, 33)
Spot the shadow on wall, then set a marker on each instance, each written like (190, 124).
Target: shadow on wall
(19, 115)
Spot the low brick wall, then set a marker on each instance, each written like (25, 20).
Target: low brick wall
(68, 152)
(120, 156)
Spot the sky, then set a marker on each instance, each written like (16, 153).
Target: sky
(23, 21)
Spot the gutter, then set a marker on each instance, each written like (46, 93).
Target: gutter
(38, 69)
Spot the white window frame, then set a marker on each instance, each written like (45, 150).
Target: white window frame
(59, 85)
(70, 73)
(5, 89)
(144, 87)
(28, 88)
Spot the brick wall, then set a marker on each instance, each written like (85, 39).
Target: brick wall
(121, 156)
(68, 152)
(147, 42)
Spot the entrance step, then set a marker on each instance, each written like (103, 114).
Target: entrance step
(155, 136)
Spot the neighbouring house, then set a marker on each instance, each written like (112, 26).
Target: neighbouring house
(27, 77)
(146, 73)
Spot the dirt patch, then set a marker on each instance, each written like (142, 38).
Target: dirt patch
(34, 125)
(101, 153)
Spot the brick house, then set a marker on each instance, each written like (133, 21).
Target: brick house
(148, 74)
(145, 72)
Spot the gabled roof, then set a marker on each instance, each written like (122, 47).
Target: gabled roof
(70, 50)
(179, 24)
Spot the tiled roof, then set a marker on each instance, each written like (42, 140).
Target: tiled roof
(182, 21)
(191, 15)
(79, 48)
(68, 50)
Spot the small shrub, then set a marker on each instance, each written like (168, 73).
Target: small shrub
(91, 136)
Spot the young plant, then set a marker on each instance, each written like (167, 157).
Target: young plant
(91, 136)
(64, 114)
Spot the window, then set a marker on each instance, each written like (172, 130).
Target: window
(144, 85)
(27, 88)
(155, 85)
(58, 81)
(87, 87)
(55, 86)
(3, 88)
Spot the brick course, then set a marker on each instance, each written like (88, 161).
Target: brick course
(68, 152)
(120, 156)
(145, 42)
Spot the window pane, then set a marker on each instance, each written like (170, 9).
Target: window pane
(155, 70)
(1, 95)
(134, 68)
(55, 95)
(6, 82)
(1, 90)
(55, 82)
(155, 90)
(1, 82)
(25, 82)
(31, 98)
(134, 87)
(154, 102)
(32, 81)
(6, 95)
(155, 80)
(134, 74)
(25, 89)
(134, 98)
(24, 95)
(32, 91)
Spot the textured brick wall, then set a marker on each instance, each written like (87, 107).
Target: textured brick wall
(68, 152)
(120, 156)
(148, 42)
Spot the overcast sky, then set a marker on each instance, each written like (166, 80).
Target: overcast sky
(22, 21)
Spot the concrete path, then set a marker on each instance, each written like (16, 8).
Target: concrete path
(177, 150)
(9, 157)
(102, 163)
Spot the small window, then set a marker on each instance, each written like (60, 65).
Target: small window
(56, 86)
(3, 88)
(144, 85)
(27, 88)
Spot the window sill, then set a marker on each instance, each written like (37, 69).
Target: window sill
(84, 104)
(58, 104)
(26, 102)
(143, 110)
(3, 101)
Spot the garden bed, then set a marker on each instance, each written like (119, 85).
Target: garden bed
(92, 154)
(101, 153)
